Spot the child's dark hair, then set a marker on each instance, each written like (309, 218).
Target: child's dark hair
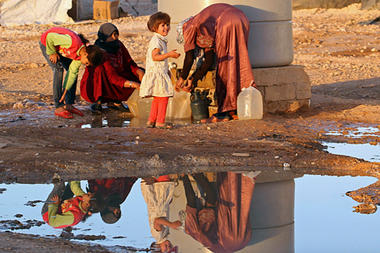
(156, 19)
(95, 55)
(83, 39)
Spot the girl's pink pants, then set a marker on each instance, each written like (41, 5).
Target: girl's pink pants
(158, 109)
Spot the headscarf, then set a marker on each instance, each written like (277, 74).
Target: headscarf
(180, 38)
(105, 31)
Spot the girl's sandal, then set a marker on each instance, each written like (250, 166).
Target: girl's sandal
(165, 126)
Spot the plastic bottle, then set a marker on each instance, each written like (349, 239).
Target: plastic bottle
(250, 104)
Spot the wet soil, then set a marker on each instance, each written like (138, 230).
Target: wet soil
(340, 52)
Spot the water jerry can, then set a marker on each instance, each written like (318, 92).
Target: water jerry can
(199, 103)
(250, 104)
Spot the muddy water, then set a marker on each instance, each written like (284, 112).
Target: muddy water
(365, 151)
(319, 220)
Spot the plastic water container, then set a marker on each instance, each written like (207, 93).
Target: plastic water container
(250, 104)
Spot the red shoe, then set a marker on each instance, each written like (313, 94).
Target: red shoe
(76, 111)
(64, 114)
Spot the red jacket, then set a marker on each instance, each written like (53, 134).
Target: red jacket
(71, 205)
(70, 52)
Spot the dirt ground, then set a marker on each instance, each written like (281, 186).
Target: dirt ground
(341, 55)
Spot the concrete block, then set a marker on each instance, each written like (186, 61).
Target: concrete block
(303, 90)
(280, 92)
(284, 89)
(288, 106)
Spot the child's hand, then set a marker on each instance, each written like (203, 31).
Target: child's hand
(176, 224)
(63, 96)
(54, 58)
(174, 54)
(56, 199)
(157, 224)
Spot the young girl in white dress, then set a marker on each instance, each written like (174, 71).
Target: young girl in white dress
(156, 81)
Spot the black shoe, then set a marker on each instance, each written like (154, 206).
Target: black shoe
(119, 106)
(96, 108)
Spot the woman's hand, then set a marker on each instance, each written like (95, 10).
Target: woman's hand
(54, 58)
(179, 84)
(56, 199)
(131, 84)
(188, 86)
(140, 73)
(174, 54)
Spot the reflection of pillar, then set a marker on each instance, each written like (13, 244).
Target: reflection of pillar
(272, 218)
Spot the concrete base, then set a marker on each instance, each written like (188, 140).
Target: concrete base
(285, 89)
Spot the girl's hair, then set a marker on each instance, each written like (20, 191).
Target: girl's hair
(83, 39)
(95, 55)
(156, 19)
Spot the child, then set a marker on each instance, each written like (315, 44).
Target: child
(64, 49)
(158, 193)
(156, 81)
(96, 89)
(70, 211)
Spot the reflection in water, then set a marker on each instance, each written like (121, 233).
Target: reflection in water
(109, 195)
(66, 206)
(224, 212)
(115, 120)
(107, 120)
(218, 218)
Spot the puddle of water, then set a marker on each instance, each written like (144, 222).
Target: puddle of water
(357, 132)
(102, 121)
(106, 123)
(134, 225)
(364, 151)
(323, 220)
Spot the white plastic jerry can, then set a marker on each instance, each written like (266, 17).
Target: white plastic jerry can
(250, 104)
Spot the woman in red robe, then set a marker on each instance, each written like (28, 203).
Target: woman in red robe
(225, 225)
(221, 31)
(99, 83)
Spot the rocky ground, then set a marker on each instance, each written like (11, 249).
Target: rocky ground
(341, 54)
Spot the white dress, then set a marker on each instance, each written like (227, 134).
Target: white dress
(158, 197)
(156, 81)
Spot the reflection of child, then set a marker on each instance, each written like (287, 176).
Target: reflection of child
(156, 81)
(158, 196)
(63, 211)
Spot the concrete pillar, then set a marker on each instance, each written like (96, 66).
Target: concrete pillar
(270, 41)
